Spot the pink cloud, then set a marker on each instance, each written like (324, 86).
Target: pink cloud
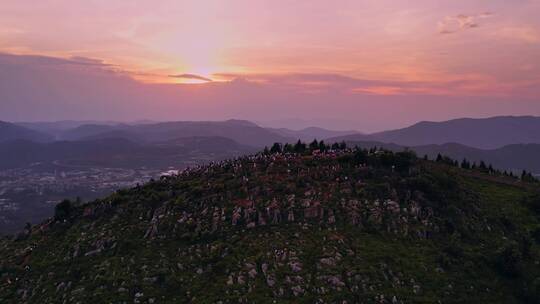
(452, 24)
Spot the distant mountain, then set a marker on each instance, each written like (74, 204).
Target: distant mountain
(55, 127)
(486, 133)
(9, 132)
(91, 131)
(110, 134)
(24, 153)
(118, 152)
(311, 133)
(242, 132)
(515, 158)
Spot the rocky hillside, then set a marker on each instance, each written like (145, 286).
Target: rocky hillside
(345, 226)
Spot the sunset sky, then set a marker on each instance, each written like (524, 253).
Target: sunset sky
(365, 65)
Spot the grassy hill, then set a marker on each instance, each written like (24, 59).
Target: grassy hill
(347, 226)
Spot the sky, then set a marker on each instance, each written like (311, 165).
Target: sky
(365, 65)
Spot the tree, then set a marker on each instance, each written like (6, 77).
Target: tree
(299, 147)
(482, 166)
(528, 177)
(322, 146)
(63, 210)
(439, 158)
(314, 145)
(276, 148)
(288, 148)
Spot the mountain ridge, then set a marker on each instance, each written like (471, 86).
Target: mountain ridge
(483, 133)
(9, 131)
(514, 158)
(241, 131)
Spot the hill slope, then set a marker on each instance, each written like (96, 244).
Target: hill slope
(348, 227)
(485, 133)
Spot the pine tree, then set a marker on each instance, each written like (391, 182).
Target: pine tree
(288, 148)
(299, 147)
(322, 146)
(482, 166)
(276, 148)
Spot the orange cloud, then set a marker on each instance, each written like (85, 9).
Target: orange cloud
(191, 77)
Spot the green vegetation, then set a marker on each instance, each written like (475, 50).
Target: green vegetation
(302, 223)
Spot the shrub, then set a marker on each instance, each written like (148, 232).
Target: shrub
(509, 260)
(63, 210)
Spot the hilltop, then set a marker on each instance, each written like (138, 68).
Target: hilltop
(307, 226)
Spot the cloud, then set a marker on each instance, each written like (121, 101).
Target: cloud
(88, 61)
(328, 82)
(461, 22)
(191, 77)
(39, 60)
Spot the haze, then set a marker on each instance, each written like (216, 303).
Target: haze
(364, 65)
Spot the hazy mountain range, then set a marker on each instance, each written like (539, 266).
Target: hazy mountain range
(9, 132)
(506, 142)
(485, 133)
(117, 152)
(514, 158)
